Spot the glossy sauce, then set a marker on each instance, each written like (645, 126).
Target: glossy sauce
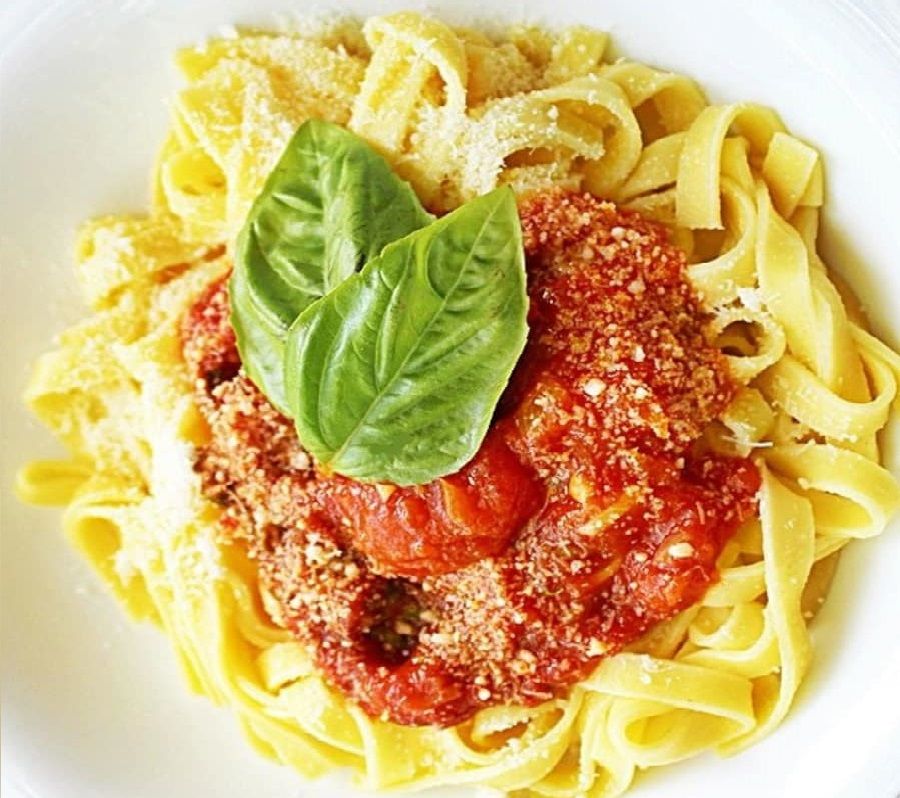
(586, 518)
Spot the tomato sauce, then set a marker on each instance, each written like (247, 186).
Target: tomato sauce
(589, 515)
(444, 525)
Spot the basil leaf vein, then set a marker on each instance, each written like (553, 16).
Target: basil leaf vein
(330, 205)
(395, 374)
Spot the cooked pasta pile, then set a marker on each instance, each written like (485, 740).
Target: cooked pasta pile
(458, 113)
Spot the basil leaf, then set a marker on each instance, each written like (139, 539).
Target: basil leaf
(330, 205)
(260, 340)
(395, 374)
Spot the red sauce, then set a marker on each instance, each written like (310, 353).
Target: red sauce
(444, 525)
(587, 517)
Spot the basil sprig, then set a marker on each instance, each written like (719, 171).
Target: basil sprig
(329, 206)
(392, 373)
(394, 376)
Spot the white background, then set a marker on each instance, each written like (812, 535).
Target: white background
(94, 707)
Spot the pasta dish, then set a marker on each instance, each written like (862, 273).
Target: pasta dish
(470, 409)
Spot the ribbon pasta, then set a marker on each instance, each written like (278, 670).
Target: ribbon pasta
(457, 112)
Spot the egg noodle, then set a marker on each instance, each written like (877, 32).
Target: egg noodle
(457, 113)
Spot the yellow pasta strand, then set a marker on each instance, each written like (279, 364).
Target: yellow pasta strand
(675, 99)
(699, 166)
(788, 551)
(720, 280)
(577, 52)
(869, 495)
(793, 387)
(788, 169)
(407, 50)
(51, 482)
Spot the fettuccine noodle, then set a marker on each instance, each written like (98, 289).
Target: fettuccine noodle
(457, 114)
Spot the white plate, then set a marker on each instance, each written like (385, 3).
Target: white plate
(95, 707)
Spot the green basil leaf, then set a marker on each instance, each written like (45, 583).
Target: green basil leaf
(330, 205)
(394, 376)
(260, 341)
